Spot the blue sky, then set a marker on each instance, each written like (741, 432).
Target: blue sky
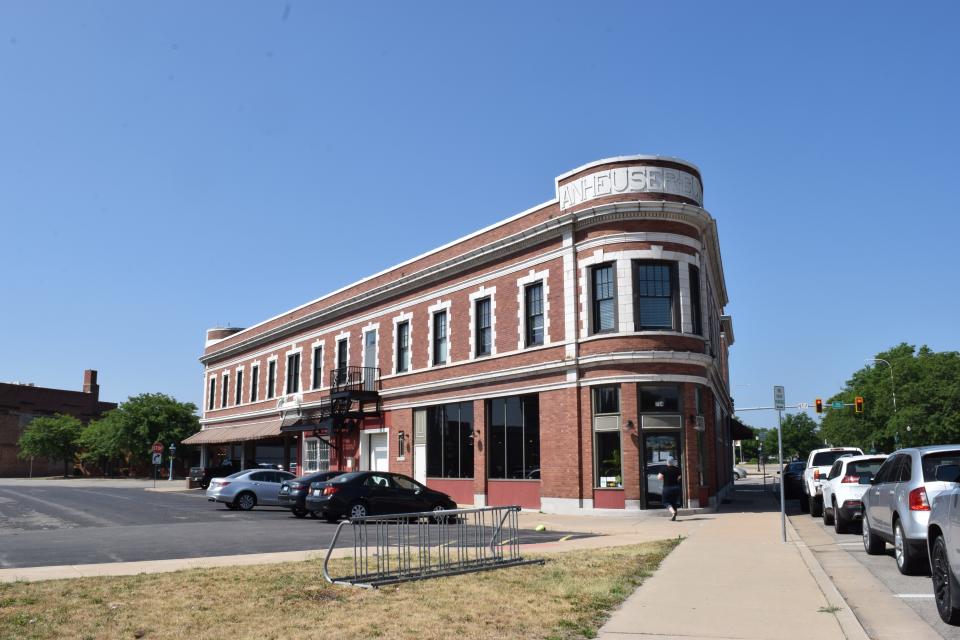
(167, 167)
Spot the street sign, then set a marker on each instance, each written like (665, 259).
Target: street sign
(836, 404)
(158, 447)
(803, 405)
(779, 399)
(158, 458)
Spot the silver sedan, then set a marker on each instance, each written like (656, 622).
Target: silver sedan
(246, 489)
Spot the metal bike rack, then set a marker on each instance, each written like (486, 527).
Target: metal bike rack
(413, 546)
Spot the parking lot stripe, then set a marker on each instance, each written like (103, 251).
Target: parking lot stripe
(914, 595)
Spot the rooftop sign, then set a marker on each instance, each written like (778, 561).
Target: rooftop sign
(633, 179)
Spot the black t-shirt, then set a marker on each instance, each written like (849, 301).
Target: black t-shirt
(671, 477)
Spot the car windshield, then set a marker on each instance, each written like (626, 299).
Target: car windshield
(864, 466)
(932, 461)
(826, 458)
(795, 467)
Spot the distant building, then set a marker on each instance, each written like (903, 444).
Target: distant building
(21, 403)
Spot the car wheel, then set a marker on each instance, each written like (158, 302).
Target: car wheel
(828, 515)
(872, 544)
(907, 560)
(736, 476)
(840, 524)
(358, 510)
(204, 484)
(440, 519)
(816, 507)
(300, 513)
(804, 504)
(245, 501)
(943, 583)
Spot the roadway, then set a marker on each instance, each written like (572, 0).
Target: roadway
(46, 523)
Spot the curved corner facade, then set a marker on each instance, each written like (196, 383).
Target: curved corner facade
(554, 360)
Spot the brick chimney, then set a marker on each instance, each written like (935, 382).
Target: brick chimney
(90, 383)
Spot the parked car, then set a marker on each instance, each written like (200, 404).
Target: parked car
(896, 504)
(246, 489)
(739, 472)
(818, 465)
(943, 532)
(793, 480)
(362, 493)
(293, 493)
(202, 475)
(842, 491)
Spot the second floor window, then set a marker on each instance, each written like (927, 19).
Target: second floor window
(212, 395)
(254, 383)
(655, 296)
(238, 396)
(225, 391)
(271, 379)
(440, 337)
(342, 361)
(317, 367)
(484, 337)
(293, 373)
(534, 313)
(695, 300)
(403, 347)
(604, 300)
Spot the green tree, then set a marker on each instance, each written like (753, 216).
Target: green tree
(128, 431)
(55, 437)
(800, 437)
(927, 387)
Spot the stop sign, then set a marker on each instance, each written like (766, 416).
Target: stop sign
(158, 447)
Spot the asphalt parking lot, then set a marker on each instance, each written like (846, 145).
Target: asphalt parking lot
(45, 523)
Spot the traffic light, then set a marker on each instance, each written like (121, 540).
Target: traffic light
(818, 403)
(858, 404)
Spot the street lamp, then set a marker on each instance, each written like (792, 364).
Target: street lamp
(173, 451)
(893, 390)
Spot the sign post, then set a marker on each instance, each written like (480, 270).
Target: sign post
(157, 460)
(779, 403)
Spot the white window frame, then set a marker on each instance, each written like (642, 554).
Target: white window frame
(480, 294)
(407, 317)
(316, 385)
(254, 365)
(531, 278)
(343, 335)
(238, 372)
(225, 389)
(272, 393)
(432, 310)
(316, 463)
(373, 327)
(286, 372)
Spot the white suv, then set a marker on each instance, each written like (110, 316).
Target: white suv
(818, 465)
(843, 492)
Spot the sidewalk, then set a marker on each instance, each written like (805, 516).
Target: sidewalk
(734, 578)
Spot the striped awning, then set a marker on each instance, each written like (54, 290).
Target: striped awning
(237, 433)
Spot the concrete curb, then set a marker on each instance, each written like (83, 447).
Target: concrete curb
(849, 622)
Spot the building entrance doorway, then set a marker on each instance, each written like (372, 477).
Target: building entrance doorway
(658, 447)
(378, 452)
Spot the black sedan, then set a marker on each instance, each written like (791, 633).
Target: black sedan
(793, 480)
(364, 493)
(293, 493)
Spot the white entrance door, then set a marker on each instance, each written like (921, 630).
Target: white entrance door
(378, 452)
(420, 463)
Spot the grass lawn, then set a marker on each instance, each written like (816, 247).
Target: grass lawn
(568, 597)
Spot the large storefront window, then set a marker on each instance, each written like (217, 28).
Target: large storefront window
(607, 448)
(513, 438)
(316, 455)
(450, 441)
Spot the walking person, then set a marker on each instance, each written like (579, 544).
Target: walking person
(671, 487)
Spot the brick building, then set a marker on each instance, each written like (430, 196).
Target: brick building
(21, 403)
(555, 359)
